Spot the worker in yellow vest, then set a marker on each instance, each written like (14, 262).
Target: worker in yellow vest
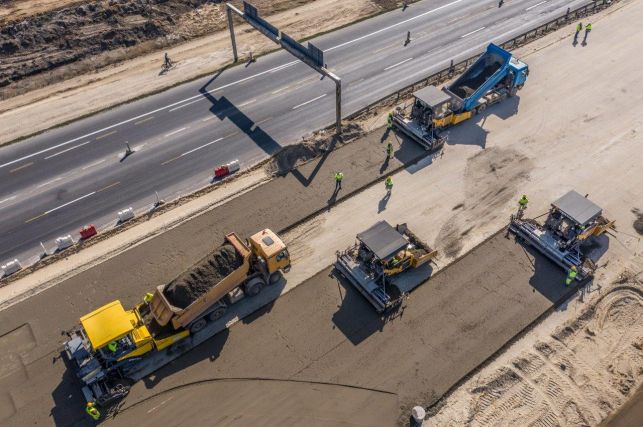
(389, 150)
(388, 184)
(148, 298)
(522, 205)
(92, 411)
(338, 180)
(571, 275)
(389, 121)
(588, 28)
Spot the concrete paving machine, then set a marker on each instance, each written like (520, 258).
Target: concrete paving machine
(571, 221)
(113, 344)
(494, 76)
(376, 263)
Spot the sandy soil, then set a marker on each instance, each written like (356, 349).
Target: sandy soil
(15, 10)
(574, 375)
(58, 103)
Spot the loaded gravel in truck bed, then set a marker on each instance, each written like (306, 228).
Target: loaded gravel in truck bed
(202, 276)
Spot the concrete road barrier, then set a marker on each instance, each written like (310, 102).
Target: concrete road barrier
(10, 268)
(125, 215)
(63, 242)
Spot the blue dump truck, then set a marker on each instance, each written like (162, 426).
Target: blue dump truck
(495, 76)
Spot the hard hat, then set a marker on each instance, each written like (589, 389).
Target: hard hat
(90, 404)
(524, 196)
(574, 267)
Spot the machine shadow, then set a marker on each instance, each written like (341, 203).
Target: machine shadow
(355, 318)
(472, 131)
(223, 108)
(69, 403)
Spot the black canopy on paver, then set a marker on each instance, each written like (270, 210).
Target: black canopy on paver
(383, 240)
(577, 208)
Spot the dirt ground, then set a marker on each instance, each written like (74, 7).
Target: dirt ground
(574, 375)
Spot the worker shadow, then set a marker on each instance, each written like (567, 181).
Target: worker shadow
(381, 205)
(355, 318)
(223, 109)
(209, 350)
(473, 132)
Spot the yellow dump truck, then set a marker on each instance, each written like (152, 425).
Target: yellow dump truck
(113, 346)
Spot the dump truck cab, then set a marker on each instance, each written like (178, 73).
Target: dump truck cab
(267, 245)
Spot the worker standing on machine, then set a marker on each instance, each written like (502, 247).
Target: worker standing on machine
(571, 275)
(92, 411)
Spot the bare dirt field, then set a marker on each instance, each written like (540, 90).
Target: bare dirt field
(574, 375)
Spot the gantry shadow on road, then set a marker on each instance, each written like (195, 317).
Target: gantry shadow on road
(223, 108)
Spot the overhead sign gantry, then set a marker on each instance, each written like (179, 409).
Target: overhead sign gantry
(310, 54)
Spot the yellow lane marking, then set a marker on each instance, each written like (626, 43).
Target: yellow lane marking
(107, 134)
(26, 165)
(171, 160)
(144, 120)
(35, 218)
(109, 186)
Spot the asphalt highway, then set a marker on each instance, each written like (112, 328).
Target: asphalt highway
(56, 182)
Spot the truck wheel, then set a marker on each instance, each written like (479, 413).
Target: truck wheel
(253, 287)
(197, 326)
(275, 278)
(481, 108)
(513, 91)
(217, 313)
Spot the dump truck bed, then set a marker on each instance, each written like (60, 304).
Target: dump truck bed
(164, 311)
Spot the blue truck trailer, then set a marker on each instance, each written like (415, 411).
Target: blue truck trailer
(495, 76)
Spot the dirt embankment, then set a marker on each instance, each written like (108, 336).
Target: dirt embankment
(84, 37)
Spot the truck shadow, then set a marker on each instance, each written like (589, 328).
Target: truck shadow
(355, 318)
(209, 349)
(472, 131)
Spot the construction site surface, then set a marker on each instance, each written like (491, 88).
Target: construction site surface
(494, 332)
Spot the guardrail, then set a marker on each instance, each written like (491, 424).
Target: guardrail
(513, 43)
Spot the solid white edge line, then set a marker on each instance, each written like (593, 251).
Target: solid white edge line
(472, 32)
(49, 182)
(308, 102)
(399, 63)
(93, 164)
(202, 146)
(68, 149)
(174, 132)
(69, 203)
(536, 5)
(185, 105)
(8, 199)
